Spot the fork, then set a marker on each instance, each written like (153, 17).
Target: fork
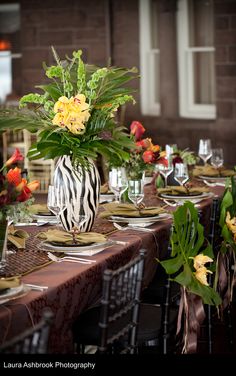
(131, 228)
(69, 259)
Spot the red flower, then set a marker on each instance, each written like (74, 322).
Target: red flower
(25, 194)
(137, 129)
(148, 156)
(16, 156)
(163, 160)
(177, 159)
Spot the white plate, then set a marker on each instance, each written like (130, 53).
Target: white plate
(213, 178)
(106, 197)
(140, 220)
(46, 218)
(11, 292)
(186, 197)
(86, 250)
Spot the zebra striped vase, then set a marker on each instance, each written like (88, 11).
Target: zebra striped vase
(81, 188)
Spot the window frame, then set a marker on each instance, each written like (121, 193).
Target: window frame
(187, 107)
(148, 85)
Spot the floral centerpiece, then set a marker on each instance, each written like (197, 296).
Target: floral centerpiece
(75, 114)
(74, 119)
(15, 191)
(144, 156)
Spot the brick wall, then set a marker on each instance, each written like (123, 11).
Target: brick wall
(73, 24)
(67, 25)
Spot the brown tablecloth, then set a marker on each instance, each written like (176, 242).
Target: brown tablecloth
(75, 287)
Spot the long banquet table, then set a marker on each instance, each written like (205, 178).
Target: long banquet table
(73, 288)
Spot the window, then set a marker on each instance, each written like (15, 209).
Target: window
(9, 50)
(149, 57)
(196, 59)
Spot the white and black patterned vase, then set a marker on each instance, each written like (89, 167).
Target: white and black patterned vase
(81, 188)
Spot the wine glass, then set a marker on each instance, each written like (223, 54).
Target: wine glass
(79, 218)
(217, 158)
(205, 150)
(118, 182)
(170, 149)
(135, 191)
(56, 201)
(166, 168)
(181, 173)
(3, 242)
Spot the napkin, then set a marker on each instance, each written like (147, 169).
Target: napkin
(104, 188)
(17, 237)
(129, 210)
(211, 171)
(7, 283)
(58, 236)
(40, 208)
(178, 190)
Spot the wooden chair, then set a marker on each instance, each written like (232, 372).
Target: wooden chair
(31, 341)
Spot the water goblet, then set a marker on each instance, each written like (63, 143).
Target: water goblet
(79, 218)
(56, 201)
(205, 150)
(170, 149)
(135, 191)
(118, 182)
(181, 173)
(166, 168)
(217, 158)
(3, 242)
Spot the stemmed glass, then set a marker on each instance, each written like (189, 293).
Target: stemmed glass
(170, 149)
(205, 150)
(181, 173)
(135, 191)
(217, 158)
(56, 201)
(79, 218)
(166, 169)
(118, 182)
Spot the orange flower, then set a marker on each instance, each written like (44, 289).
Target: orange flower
(33, 185)
(14, 176)
(148, 156)
(21, 185)
(16, 156)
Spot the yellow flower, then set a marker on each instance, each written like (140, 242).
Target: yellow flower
(200, 260)
(72, 113)
(231, 223)
(59, 119)
(61, 104)
(201, 275)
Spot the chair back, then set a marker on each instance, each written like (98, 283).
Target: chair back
(31, 341)
(120, 305)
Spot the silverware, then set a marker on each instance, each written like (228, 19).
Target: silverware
(69, 259)
(144, 229)
(36, 287)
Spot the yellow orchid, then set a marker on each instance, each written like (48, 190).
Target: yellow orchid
(201, 275)
(61, 104)
(231, 223)
(72, 113)
(200, 260)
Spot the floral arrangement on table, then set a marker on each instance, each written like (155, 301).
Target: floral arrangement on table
(15, 191)
(145, 155)
(187, 266)
(75, 114)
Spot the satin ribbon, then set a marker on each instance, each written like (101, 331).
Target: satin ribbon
(192, 310)
(226, 277)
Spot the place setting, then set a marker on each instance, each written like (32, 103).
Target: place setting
(11, 289)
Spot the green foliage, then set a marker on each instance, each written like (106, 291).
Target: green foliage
(187, 241)
(105, 91)
(228, 204)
